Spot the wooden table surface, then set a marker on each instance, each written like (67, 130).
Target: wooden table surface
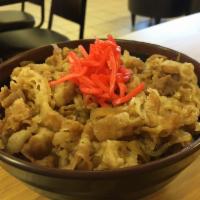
(182, 34)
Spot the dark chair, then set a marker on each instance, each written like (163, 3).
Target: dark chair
(7, 2)
(157, 9)
(73, 10)
(13, 19)
(194, 6)
(41, 3)
(13, 42)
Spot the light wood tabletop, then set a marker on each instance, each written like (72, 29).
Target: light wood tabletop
(182, 34)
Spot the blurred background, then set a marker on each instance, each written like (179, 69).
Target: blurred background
(110, 16)
(103, 17)
(97, 18)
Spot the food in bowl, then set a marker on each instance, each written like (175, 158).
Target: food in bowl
(99, 110)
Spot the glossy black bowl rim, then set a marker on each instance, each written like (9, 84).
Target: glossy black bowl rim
(104, 174)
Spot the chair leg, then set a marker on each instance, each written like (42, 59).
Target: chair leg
(157, 20)
(82, 19)
(81, 32)
(1, 60)
(133, 19)
(42, 15)
(151, 21)
(23, 6)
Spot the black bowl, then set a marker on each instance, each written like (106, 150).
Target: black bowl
(120, 184)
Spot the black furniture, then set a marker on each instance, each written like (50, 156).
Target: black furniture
(73, 10)
(157, 9)
(13, 19)
(41, 3)
(194, 6)
(13, 42)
